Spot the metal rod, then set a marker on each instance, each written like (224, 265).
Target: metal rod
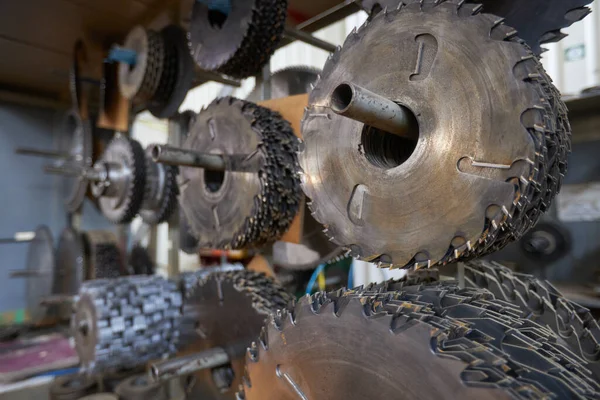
(176, 156)
(362, 105)
(26, 273)
(57, 299)
(41, 153)
(181, 366)
(203, 75)
(215, 162)
(307, 38)
(63, 170)
(19, 237)
(76, 172)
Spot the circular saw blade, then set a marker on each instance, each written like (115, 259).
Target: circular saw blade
(127, 191)
(537, 21)
(236, 210)
(41, 260)
(70, 261)
(177, 77)
(289, 81)
(227, 310)
(160, 198)
(428, 341)
(76, 140)
(140, 81)
(477, 175)
(238, 44)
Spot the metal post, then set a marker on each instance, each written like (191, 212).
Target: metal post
(186, 365)
(204, 75)
(25, 273)
(362, 105)
(215, 162)
(41, 153)
(307, 38)
(19, 237)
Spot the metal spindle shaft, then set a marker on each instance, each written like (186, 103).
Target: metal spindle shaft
(362, 105)
(204, 75)
(57, 300)
(26, 273)
(76, 172)
(63, 170)
(19, 237)
(41, 153)
(307, 38)
(215, 162)
(186, 365)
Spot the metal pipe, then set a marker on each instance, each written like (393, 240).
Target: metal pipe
(362, 105)
(215, 162)
(41, 153)
(26, 273)
(57, 300)
(19, 237)
(186, 365)
(63, 170)
(204, 75)
(188, 158)
(307, 38)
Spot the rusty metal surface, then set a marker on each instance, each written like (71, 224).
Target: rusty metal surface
(403, 203)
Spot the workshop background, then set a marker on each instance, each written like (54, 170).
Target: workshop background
(30, 198)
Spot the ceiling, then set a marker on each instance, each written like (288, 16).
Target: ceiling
(37, 36)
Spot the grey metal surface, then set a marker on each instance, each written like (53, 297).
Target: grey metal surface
(451, 193)
(125, 322)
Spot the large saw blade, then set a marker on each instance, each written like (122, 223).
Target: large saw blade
(537, 21)
(227, 310)
(238, 44)
(478, 175)
(433, 341)
(236, 210)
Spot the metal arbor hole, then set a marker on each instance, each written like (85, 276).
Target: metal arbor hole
(213, 180)
(386, 150)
